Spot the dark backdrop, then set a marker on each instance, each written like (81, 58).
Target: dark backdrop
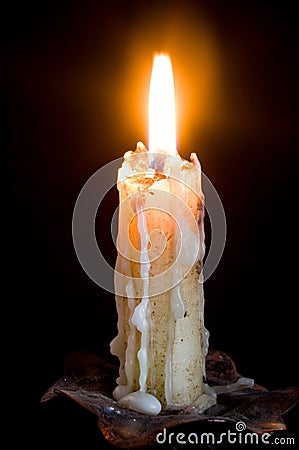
(75, 78)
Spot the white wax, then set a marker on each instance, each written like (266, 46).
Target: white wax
(139, 318)
(189, 249)
(120, 391)
(241, 383)
(122, 266)
(141, 402)
(130, 350)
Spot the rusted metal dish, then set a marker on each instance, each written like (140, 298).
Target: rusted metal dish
(89, 380)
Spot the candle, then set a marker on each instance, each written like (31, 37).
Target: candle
(161, 342)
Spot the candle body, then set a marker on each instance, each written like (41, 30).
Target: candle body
(162, 342)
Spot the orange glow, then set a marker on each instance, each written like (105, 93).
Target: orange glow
(162, 131)
(200, 64)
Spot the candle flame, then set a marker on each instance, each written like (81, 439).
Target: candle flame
(162, 132)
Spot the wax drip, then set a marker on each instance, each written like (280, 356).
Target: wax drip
(130, 350)
(139, 318)
(141, 401)
(117, 345)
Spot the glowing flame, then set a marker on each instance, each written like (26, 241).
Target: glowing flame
(162, 132)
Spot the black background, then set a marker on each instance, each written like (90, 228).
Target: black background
(75, 78)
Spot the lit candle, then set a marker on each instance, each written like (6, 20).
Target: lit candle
(162, 342)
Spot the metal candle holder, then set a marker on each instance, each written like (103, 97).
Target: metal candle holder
(89, 381)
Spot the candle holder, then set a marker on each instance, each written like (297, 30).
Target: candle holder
(89, 380)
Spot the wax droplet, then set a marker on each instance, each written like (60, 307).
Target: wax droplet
(208, 390)
(246, 382)
(141, 402)
(242, 383)
(120, 391)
